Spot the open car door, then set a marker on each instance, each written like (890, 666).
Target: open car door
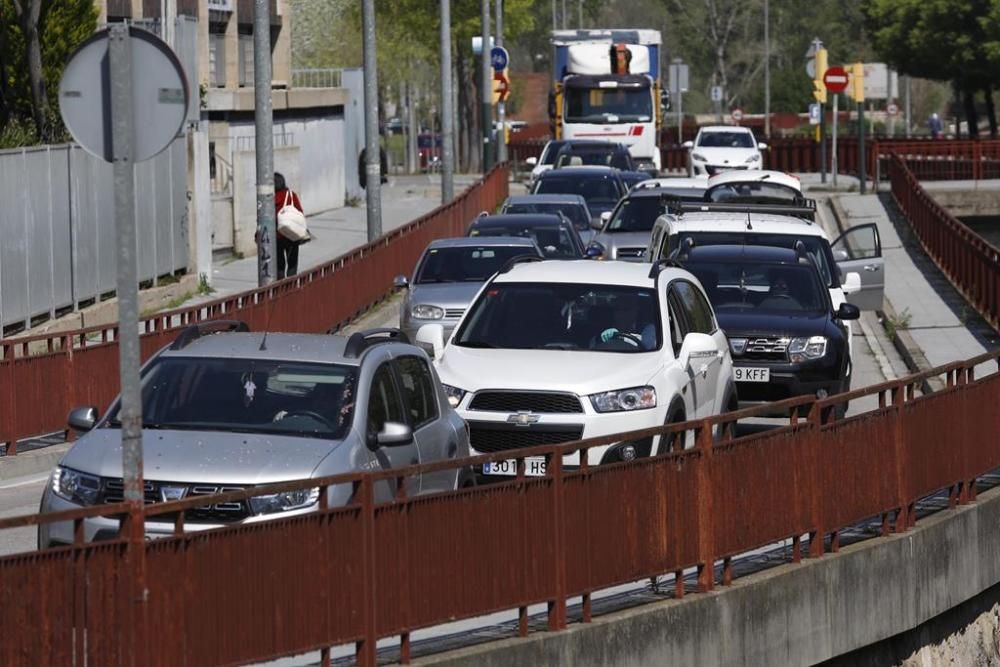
(859, 250)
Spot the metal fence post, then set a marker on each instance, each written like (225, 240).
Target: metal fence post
(706, 527)
(557, 607)
(367, 650)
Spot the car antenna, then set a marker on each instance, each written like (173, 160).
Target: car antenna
(749, 226)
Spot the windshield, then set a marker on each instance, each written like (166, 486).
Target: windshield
(425, 141)
(726, 140)
(248, 396)
(738, 287)
(554, 240)
(600, 192)
(601, 318)
(594, 157)
(636, 214)
(608, 105)
(576, 213)
(817, 247)
(550, 151)
(469, 264)
(759, 192)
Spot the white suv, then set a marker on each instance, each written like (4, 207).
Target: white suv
(556, 351)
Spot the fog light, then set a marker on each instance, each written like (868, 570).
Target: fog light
(627, 453)
(821, 394)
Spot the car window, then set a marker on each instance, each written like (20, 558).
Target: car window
(696, 308)
(726, 140)
(465, 264)
(600, 192)
(555, 241)
(418, 389)
(636, 214)
(678, 325)
(757, 192)
(383, 400)
(746, 285)
(576, 213)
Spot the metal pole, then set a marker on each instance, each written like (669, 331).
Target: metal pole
(579, 12)
(555, 19)
(833, 158)
(680, 107)
(861, 146)
(563, 14)
(822, 143)
(130, 410)
(267, 236)
(909, 118)
(501, 106)
(767, 72)
(487, 87)
(373, 173)
(447, 108)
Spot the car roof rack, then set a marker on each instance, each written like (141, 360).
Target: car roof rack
(362, 340)
(519, 259)
(804, 208)
(196, 331)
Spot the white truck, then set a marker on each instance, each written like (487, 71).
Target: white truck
(606, 86)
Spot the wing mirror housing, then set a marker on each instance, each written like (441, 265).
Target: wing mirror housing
(852, 283)
(761, 146)
(431, 338)
(696, 346)
(531, 161)
(401, 282)
(848, 311)
(83, 419)
(688, 144)
(595, 250)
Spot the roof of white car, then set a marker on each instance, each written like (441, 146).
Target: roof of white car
(762, 223)
(675, 183)
(585, 271)
(726, 128)
(753, 175)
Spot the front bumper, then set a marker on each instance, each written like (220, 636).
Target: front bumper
(706, 169)
(789, 380)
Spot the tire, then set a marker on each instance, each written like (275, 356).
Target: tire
(675, 415)
(466, 480)
(731, 404)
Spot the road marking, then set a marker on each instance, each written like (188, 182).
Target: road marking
(33, 480)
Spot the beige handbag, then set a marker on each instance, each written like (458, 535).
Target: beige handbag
(292, 223)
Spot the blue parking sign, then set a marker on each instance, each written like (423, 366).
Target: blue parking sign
(499, 58)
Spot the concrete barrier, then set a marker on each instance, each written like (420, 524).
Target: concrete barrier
(795, 614)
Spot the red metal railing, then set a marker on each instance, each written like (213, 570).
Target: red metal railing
(367, 570)
(970, 262)
(43, 377)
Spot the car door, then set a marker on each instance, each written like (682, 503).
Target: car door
(859, 250)
(386, 405)
(707, 371)
(436, 439)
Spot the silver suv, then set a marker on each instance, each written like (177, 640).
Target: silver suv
(225, 409)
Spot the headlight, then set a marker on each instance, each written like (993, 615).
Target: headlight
(76, 486)
(624, 400)
(283, 502)
(454, 394)
(801, 349)
(424, 312)
(753, 158)
(698, 157)
(737, 345)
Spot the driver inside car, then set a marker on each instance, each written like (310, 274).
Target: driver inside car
(631, 324)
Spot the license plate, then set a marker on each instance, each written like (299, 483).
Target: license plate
(744, 374)
(534, 466)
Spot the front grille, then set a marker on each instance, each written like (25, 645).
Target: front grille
(453, 313)
(718, 169)
(631, 253)
(530, 401)
(487, 438)
(766, 348)
(113, 491)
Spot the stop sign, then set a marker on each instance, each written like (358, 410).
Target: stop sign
(835, 79)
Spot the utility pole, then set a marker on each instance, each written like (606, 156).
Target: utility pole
(447, 108)
(267, 234)
(487, 88)
(767, 72)
(373, 175)
(501, 105)
(908, 109)
(555, 18)
(564, 14)
(579, 10)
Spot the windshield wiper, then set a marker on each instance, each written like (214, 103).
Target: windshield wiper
(477, 343)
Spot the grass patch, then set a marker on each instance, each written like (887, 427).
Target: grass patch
(893, 324)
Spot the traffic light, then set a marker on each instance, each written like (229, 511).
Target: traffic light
(856, 89)
(819, 88)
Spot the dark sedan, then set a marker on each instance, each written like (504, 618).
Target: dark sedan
(602, 187)
(554, 234)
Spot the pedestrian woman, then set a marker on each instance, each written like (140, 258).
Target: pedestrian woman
(288, 250)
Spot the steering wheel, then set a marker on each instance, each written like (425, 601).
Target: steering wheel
(312, 415)
(634, 339)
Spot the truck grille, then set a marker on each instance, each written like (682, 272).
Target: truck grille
(531, 401)
(631, 253)
(487, 438)
(113, 491)
(766, 348)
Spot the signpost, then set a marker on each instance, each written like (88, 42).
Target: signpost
(115, 76)
(835, 79)
(814, 113)
(816, 67)
(499, 58)
(717, 101)
(678, 82)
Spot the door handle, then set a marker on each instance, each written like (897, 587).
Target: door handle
(872, 268)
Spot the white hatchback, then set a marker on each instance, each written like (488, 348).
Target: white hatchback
(719, 148)
(557, 351)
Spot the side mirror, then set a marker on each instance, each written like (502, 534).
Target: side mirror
(761, 146)
(596, 224)
(394, 433)
(83, 419)
(688, 144)
(697, 346)
(852, 283)
(531, 161)
(848, 311)
(431, 336)
(605, 216)
(401, 282)
(840, 255)
(595, 250)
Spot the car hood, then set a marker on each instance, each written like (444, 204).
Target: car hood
(731, 156)
(756, 324)
(582, 373)
(210, 457)
(447, 295)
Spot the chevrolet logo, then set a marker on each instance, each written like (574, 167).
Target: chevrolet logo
(523, 418)
(169, 493)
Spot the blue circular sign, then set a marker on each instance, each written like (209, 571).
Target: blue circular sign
(499, 58)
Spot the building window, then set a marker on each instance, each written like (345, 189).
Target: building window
(246, 59)
(217, 55)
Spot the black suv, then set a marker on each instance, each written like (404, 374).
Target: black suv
(786, 338)
(594, 154)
